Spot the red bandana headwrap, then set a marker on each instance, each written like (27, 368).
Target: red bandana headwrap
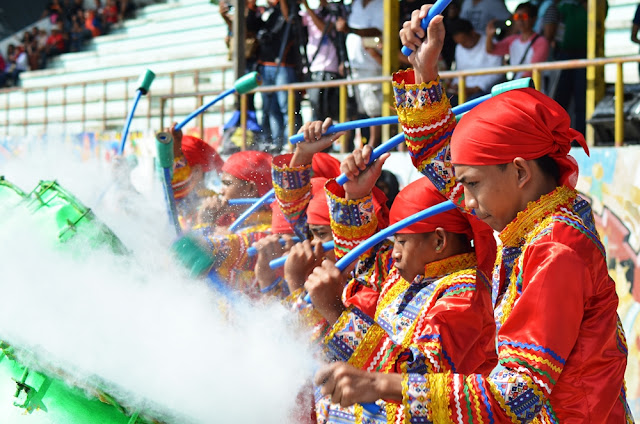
(318, 209)
(420, 195)
(519, 123)
(197, 152)
(279, 224)
(250, 165)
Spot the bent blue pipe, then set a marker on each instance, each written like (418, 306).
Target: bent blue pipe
(351, 125)
(437, 8)
(127, 124)
(396, 140)
(385, 120)
(247, 201)
(202, 108)
(257, 205)
(144, 84)
(242, 86)
(279, 262)
(354, 254)
(252, 251)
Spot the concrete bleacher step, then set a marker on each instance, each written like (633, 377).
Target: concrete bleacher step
(126, 58)
(61, 76)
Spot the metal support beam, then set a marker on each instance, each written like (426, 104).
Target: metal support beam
(239, 33)
(390, 46)
(595, 48)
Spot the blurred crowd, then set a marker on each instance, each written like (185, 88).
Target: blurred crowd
(288, 41)
(70, 24)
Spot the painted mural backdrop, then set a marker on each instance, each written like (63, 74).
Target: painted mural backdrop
(610, 179)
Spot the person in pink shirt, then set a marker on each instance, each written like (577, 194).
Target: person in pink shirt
(525, 46)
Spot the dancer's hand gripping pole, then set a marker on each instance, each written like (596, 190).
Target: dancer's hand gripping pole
(437, 8)
(242, 86)
(394, 141)
(384, 120)
(279, 262)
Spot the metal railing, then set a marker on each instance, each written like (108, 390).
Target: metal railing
(291, 89)
(86, 98)
(536, 69)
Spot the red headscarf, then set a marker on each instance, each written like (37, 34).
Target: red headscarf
(279, 225)
(519, 123)
(420, 195)
(250, 165)
(197, 152)
(318, 209)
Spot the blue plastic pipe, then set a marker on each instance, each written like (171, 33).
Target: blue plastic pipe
(242, 85)
(354, 254)
(437, 8)
(252, 251)
(277, 263)
(257, 205)
(127, 124)
(384, 120)
(351, 125)
(202, 108)
(247, 201)
(396, 140)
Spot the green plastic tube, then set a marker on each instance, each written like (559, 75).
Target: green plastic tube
(164, 145)
(248, 82)
(145, 80)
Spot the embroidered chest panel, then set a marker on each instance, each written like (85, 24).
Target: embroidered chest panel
(510, 258)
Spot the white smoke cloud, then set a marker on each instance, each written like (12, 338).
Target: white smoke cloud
(135, 325)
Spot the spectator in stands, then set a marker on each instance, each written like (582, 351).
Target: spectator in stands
(277, 61)
(19, 64)
(366, 20)
(110, 14)
(55, 43)
(31, 48)
(92, 22)
(524, 47)
(76, 37)
(481, 12)
(542, 6)
(252, 16)
(9, 62)
(53, 11)
(3, 74)
(322, 57)
(572, 83)
(472, 54)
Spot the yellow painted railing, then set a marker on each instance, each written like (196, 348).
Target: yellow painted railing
(165, 98)
(536, 70)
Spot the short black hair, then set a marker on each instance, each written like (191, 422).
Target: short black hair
(547, 165)
(530, 8)
(458, 26)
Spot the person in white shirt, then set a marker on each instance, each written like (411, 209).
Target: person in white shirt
(524, 47)
(471, 54)
(366, 20)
